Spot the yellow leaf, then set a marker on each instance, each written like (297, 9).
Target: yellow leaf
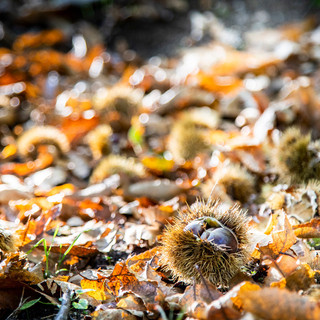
(158, 164)
(98, 291)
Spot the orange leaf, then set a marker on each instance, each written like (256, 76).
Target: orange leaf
(138, 262)
(275, 304)
(67, 189)
(75, 128)
(98, 289)
(221, 85)
(120, 278)
(244, 289)
(33, 40)
(8, 151)
(282, 239)
(309, 229)
(22, 169)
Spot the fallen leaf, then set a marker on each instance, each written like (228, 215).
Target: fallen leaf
(157, 164)
(121, 278)
(77, 127)
(98, 290)
(22, 169)
(274, 304)
(309, 229)
(243, 288)
(200, 292)
(113, 314)
(137, 263)
(282, 239)
(130, 301)
(301, 279)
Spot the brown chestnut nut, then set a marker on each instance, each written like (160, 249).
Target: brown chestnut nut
(196, 227)
(224, 238)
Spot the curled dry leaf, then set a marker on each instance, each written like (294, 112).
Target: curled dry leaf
(16, 267)
(282, 238)
(301, 279)
(309, 229)
(130, 301)
(44, 160)
(274, 304)
(137, 263)
(200, 292)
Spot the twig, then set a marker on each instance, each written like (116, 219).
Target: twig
(204, 281)
(194, 289)
(63, 313)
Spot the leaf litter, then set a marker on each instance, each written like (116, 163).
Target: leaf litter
(100, 152)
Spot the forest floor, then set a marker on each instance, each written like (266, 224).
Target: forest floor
(159, 160)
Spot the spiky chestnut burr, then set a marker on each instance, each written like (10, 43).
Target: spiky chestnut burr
(120, 98)
(237, 182)
(98, 140)
(186, 141)
(202, 117)
(39, 135)
(296, 157)
(210, 237)
(113, 164)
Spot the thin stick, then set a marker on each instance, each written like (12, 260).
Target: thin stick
(63, 313)
(275, 264)
(194, 289)
(204, 281)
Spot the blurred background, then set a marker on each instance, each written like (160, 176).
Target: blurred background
(150, 27)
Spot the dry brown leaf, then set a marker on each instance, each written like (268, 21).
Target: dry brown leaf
(282, 239)
(130, 301)
(121, 278)
(309, 229)
(16, 267)
(77, 128)
(79, 251)
(301, 279)
(137, 263)
(215, 312)
(221, 308)
(275, 304)
(11, 292)
(200, 292)
(198, 310)
(287, 264)
(252, 157)
(113, 314)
